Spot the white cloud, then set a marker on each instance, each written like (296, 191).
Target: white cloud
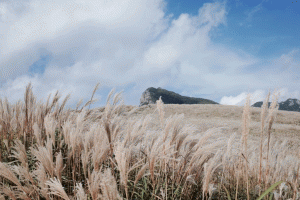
(212, 13)
(285, 94)
(239, 100)
(122, 44)
(184, 41)
(161, 55)
(289, 61)
(231, 100)
(253, 11)
(66, 27)
(258, 95)
(250, 14)
(88, 40)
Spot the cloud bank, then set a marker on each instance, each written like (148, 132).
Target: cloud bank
(128, 45)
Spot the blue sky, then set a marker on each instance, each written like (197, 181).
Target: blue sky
(219, 50)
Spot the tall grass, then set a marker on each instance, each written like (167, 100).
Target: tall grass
(49, 153)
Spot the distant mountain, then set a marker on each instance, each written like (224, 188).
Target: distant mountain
(151, 95)
(288, 105)
(259, 104)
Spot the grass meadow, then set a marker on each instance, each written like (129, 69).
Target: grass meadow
(150, 152)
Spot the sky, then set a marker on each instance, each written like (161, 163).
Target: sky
(217, 50)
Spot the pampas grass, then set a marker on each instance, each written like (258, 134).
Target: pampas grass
(57, 189)
(245, 132)
(80, 193)
(48, 153)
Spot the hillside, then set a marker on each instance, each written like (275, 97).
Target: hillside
(205, 116)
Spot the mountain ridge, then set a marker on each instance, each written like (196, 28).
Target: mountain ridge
(288, 105)
(151, 95)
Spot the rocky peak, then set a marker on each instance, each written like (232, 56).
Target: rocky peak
(148, 97)
(151, 95)
(288, 105)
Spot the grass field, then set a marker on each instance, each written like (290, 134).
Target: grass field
(150, 152)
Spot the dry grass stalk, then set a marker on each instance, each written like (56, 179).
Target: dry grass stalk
(263, 116)
(2, 197)
(109, 186)
(50, 125)
(160, 107)
(56, 188)
(245, 132)
(8, 192)
(11, 173)
(7, 173)
(201, 152)
(271, 117)
(90, 143)
(80, 194)
(42, 177)
(141, 173)
(20, 153)
(237, 181)
(86, 152)
(153, 155)
(94, 181)
(123, 157)
(99, 154)
(59, 166)
(45, 157)
(37, 134)
(209, 169)
(111, 129)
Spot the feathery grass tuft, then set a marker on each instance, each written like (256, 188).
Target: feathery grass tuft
(48, 153)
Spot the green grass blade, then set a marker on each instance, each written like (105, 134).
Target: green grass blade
(271, 196)
(228, 195)
(269, 190)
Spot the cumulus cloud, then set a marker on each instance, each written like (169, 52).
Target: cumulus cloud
(123, 44)
(258, 95)
(239, 100)
(71, 28)
(212, 13)
(87, 40)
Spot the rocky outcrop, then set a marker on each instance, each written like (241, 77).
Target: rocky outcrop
(151, 95)
(148, 97)
(288, 105)
(259, 104)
